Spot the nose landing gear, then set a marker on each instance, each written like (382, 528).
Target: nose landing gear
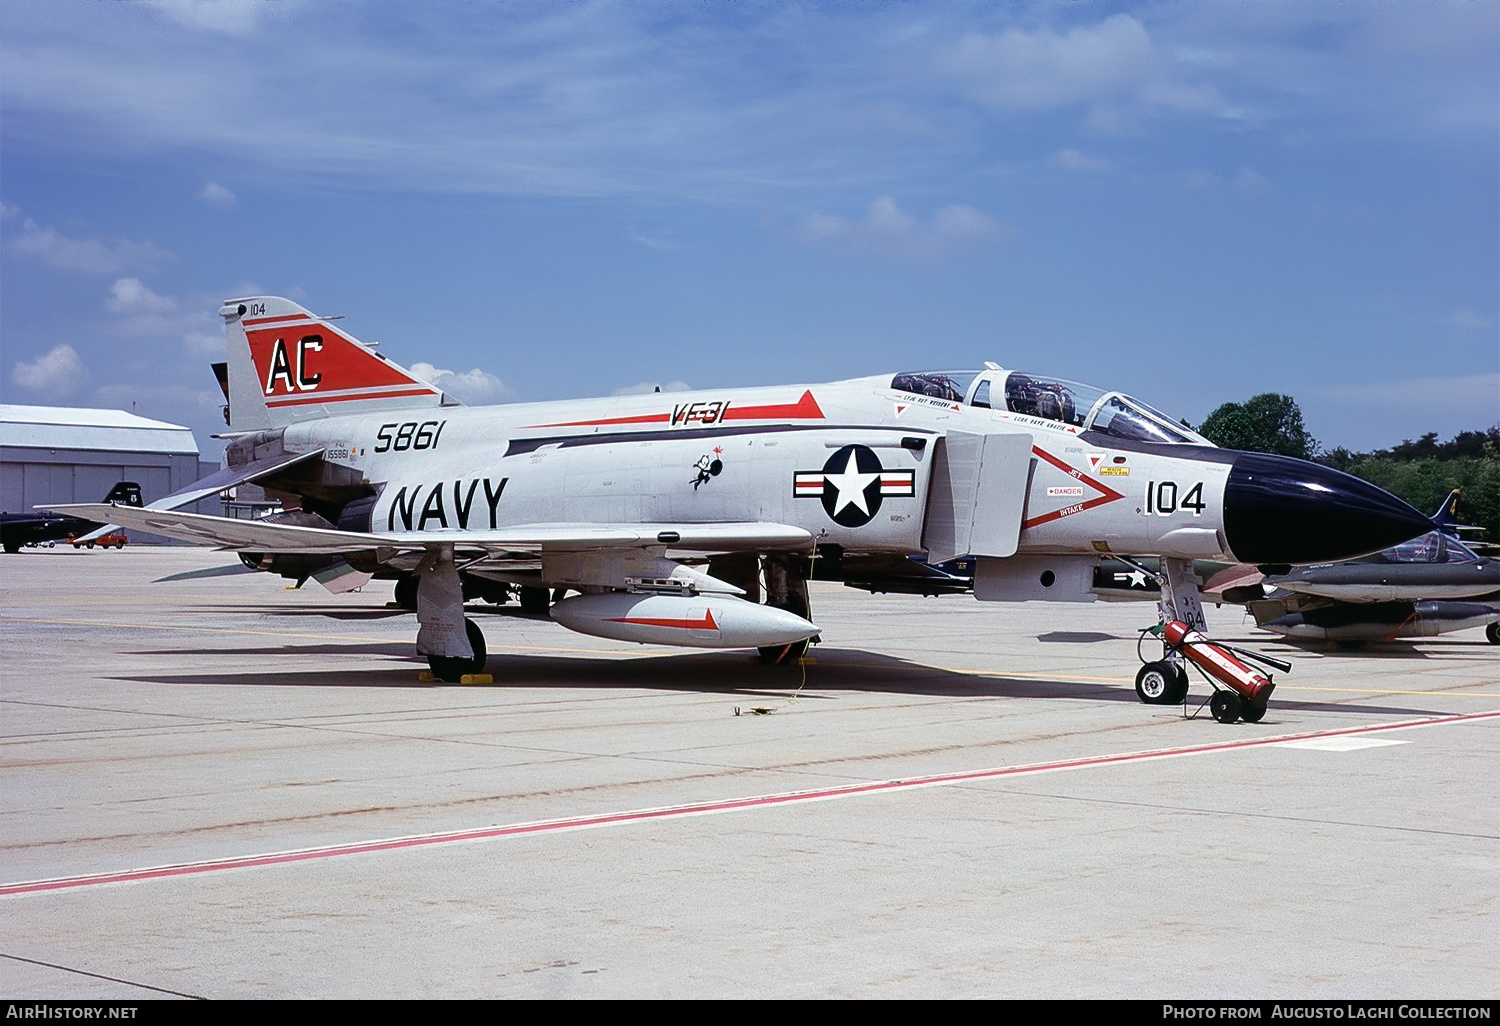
(1241, 692)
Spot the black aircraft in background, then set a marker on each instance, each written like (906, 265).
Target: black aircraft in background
(17, 529)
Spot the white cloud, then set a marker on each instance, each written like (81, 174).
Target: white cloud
(1468, 320)
(889, 230)
(652, 241)
(54, 375)
(142, 313)
(1113, 67)
(647, 387)
(229, 17)
(1073, 160)
(56, 250)
(689, 100)
(131, 298)
(215, 195)
(475, 387)
(1250, 181)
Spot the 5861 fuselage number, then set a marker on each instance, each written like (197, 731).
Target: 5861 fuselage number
(1162, 498)
(411, 435)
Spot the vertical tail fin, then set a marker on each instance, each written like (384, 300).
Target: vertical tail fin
(127, 492)
(1443, 518)
(287, 364)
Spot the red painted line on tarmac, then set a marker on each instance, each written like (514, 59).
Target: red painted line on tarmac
(692, 809)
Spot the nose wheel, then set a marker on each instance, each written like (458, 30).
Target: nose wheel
(1161, 683)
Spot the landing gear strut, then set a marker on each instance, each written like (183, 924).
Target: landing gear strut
(452, 644)
(1240, 691)
(786, 588)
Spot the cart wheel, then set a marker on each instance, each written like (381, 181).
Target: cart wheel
(1225, 706)
(1252, 713)
(1179, 690)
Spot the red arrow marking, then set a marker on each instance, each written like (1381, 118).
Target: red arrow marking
(1107, 494)
(806, 408)
(705, 624)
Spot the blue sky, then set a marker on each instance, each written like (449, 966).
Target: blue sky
(1191, 201)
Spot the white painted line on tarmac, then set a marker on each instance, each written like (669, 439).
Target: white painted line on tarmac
(1341, 744)
(622, 818)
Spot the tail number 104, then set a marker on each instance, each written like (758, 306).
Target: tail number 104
(1164, 498)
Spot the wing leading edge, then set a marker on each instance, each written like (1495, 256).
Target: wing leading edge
(257, 536)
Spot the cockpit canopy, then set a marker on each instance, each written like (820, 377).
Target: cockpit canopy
(1433, 547)
(1068, 402)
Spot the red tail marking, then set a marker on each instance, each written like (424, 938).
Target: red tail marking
(309, 361)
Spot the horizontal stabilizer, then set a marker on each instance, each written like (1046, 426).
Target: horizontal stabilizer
(228, 532)
(231, 477)
(223, 480)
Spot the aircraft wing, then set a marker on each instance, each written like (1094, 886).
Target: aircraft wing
(214, 483)
(259, 536)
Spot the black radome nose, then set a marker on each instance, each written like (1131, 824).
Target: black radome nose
(1283, 510)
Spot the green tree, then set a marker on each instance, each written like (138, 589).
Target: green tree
(1425, 471)
(1266, 423)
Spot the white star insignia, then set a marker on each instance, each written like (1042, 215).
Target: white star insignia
(851, 485)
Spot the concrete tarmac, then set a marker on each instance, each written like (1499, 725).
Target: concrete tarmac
(218, 787)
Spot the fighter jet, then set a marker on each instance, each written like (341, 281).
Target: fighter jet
(18, 529)
(1418, 589)
(696, 519)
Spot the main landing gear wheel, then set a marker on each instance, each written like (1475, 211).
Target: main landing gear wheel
(1226, 706)
(1491, 633)
(449, 669)
(535, 601)
(779, 655)
(1161, 683)
(406, 593)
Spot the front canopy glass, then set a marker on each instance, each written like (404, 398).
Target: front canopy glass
(1068, 402)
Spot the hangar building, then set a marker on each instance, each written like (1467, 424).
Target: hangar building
(61, 454)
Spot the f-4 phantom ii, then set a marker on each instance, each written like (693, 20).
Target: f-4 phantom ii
(697, 518)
